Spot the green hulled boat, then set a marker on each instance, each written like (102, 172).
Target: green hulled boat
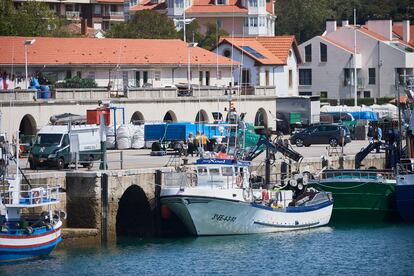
(360, 195)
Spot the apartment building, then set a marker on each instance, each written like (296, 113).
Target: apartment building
(382, 52)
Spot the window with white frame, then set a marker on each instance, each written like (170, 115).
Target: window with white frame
(253, 21)
(246, 22)
(261, 3)
(179, 3)
(220, 2)
(262, 21)
(252, 3)
(371, 76)
(97, 9)
(157, 75)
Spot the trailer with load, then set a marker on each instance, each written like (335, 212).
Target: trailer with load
(60, 145)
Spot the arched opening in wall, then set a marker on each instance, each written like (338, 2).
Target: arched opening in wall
(137, 118)
(28, 125)
(170, 117)
(202, 117)
(261, 118)
(134, 217)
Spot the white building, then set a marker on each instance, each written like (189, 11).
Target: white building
(119, 63)
(238, 17)
(265, 61)
(382, 56)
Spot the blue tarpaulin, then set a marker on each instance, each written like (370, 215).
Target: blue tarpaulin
(365, 115)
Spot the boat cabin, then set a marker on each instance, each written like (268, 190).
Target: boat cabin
(224, 173)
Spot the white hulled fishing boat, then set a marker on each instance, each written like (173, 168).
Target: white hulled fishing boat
(220, 197)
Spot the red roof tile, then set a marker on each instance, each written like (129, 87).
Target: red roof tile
(208, 6)
(63, 51)
(398, 30)
(275, 49)
(147, 5)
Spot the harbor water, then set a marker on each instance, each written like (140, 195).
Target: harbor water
(332, 250)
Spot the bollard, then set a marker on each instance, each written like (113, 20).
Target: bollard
(121, 159)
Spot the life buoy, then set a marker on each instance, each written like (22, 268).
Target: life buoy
(36, 197)
(239, 180)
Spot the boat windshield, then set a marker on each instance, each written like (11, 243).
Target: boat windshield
(48, 139)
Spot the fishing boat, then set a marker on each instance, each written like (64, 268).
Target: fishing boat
(405, 190)
(360, 195)
(221, 197)
(25, 234)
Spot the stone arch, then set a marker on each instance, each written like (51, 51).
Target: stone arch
(28, 125)
(137, 118)
(134, 217)
(170, 116)
(201, 117)
(261, 118)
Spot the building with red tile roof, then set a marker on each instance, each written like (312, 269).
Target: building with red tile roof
(238, 17)
(98, 14)
(265, 61)
(153, 62)
(380, 52)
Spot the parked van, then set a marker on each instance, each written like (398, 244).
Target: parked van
(60, 145)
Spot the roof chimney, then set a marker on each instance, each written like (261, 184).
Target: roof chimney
(330, 25)
(381, 27)
(406, 30)
(345, 22)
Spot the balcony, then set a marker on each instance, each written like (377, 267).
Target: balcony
(73, 15)
(113, 15)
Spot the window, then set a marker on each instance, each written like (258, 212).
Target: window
(207, 78)
(348, 76)
(113, 8)
(246, 22)
(157, 75)
(324, 53)
(262, 21)
(220, 2)
(200, 77)
(179, 3)
(367, 94)
(308, 53)
(79, 74)
(371, 76)
(219, 23)
(68, 74)
(227, 171)
(171, 3)
(290, 78)
(261, 3)
(305, 76)
(145, 77)
(97, 9)
(202, 171)
(227, 53)
(253, 21)
(252, 3)
(214, 171)
(91, 75)
(305, 93)
(267, 77)
(137, 79)
(324, 95)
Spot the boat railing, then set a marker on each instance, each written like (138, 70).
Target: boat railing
(405, 168)
(35, 196)
(179, 179)
(353, 174)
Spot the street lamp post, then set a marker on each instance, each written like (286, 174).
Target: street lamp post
(189, 46)
(27, 43)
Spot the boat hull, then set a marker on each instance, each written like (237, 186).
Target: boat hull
(405, 197)
(360, 200)
(15, 247)
(205, 216)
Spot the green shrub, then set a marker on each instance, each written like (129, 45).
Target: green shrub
(77, 82)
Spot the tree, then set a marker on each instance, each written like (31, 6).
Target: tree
(29, 19)
(192, 32)
(211, 38)
(144, 24)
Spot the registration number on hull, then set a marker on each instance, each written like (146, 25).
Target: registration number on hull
(220, 217)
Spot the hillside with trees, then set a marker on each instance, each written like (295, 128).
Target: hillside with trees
(306, 18)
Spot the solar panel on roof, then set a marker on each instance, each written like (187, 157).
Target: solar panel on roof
(252, 51)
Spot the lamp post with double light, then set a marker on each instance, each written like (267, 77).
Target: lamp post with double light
(27, 43)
